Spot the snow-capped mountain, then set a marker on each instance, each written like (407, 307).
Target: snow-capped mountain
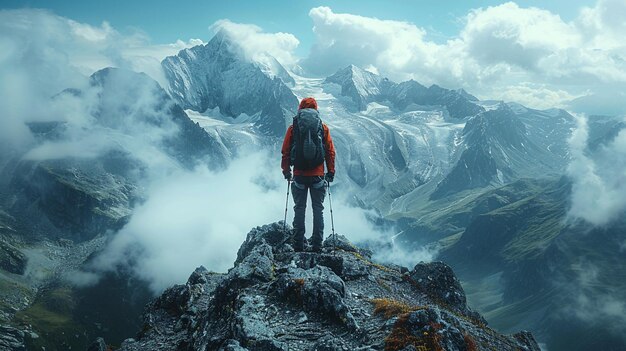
(383, 154)
(134, 125)
(405, 142)
(397, 142)
(363, 87)
(499, 147)
(443, 166)
(393, 138)
(219, 75)
(359, 85)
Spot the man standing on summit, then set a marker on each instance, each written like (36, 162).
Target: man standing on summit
(307, 146)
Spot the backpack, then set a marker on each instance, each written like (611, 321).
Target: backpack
(307, 149)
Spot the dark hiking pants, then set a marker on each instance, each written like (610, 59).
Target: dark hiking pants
(301, 186)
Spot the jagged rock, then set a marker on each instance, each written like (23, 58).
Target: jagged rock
(327, 343)
(172, 320)
(98, 345)
(527, 338)
(12, 260)
(11, 339)
(317, 289)
(174, 300)
(199, 276)
(249, 325)
(257, 265)
(278, 299)
(339, 242)
(232, 345)
(363, 87)
(217, 75)
(427, 323)
(349, 267)
(272, 235)
(438, 280)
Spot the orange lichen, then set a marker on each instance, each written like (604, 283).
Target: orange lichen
(391, 308)
(469, 342)
(400, 337)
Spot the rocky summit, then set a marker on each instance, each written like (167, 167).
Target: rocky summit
(277, 299)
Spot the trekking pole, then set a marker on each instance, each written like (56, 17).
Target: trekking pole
(332, 221)
(286, 206)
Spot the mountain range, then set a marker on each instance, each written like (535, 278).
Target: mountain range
(482, 182)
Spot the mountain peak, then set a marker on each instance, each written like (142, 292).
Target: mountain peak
(277, 299)
(223, 40)
(360, 85)
(107, 74)
(220, 75)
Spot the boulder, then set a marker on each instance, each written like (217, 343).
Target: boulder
(12, 260)
(272, 235)
(11, 339)
(437, 280)
(318, 289)
(256, 266)
(250, 326)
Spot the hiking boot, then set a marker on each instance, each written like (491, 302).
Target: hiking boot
(298, 247)
(316, 244)
(298, 241)
(316, 248)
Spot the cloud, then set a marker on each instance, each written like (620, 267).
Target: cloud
(343, 39)
(607, 100)
(603, 24)
(598, 179)
(499, 47)
(593, 302)
(201, 217)
(257, 44)
(43, 54)
(192, 218)
(188, 217)
(516, 36)
(538, 96)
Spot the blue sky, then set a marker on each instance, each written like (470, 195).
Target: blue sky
(167, 21)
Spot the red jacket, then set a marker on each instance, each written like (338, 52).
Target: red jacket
(318, 171)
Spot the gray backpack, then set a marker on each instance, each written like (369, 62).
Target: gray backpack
(307, 148)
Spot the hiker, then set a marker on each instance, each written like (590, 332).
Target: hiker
(307, 146)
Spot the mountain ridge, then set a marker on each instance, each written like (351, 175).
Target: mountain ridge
(218, 75)
(277, 299)
(364, 87)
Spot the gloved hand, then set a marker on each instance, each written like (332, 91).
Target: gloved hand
(330, 176)
(287, 175)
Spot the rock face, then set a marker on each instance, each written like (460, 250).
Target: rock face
(12, 260)
(363, 87)
(498, 148)
(81, 197)
(11, 339)
(278, 299)
(220, 75)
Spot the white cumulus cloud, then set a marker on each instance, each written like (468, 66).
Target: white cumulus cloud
(598, 180)
(42, 54)
(500, 49)
(256, 43)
